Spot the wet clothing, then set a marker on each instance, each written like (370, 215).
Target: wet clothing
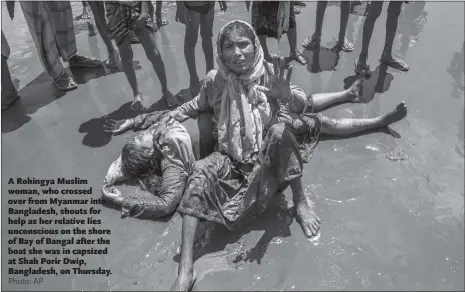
(168, 173)
(52, 30)
(222, 190)
(265, 18)
(122, 17)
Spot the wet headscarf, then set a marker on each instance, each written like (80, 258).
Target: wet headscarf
(244, 109)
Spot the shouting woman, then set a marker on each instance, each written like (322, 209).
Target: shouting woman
(262, 134)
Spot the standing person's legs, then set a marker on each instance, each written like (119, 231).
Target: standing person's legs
(147, 39)
(294, 54)
(373, 14)
(61, 16)
(9, 92)
(206, 33)
(345, 45)
(266, 53)
(394, 10)
(37, 16)
(98, 10)
(315, 39)
(85, 11)
(190, 41)
(158, 16)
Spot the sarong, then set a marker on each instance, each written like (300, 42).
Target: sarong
(265, 18)
(52, 29)
(122, 17)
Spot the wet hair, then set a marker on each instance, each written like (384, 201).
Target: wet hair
(136, 159)
(240, 29)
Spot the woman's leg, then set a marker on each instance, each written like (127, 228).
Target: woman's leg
(348, 127)
(190, 41)
(321, 101)
(206, 33)
(294, 53)
(147, 39)
(305, 214)
(186, 266)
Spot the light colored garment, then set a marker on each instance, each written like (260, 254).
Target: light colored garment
(244, 109)
(5, 47)
(284, 12)
(52, 29)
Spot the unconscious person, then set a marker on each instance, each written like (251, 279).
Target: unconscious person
(159, 159)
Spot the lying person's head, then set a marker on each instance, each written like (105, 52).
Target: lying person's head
(138, 155)
(238, 47)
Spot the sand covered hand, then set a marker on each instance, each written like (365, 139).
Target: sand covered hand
(279, 82)
(116, 127)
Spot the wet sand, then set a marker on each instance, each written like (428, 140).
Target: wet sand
(388, 223)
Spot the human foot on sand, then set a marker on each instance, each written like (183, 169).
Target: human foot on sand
(394, 62)
(311, 42)
(65, 83)
(395, 115)
(345, 45)
(185, 280)
(307, 218)
(354, 91)
(138, 104)
(297, 56)
(82, 61)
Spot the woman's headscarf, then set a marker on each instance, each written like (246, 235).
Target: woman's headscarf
(244, 109)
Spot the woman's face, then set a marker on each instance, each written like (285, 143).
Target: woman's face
(145, 140)
(238, 52)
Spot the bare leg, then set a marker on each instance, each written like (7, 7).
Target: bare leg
(158, 17)
(266, 53)
(128, 68)
(394, 10)
(9, 93)
(147, 39)
(345, 45)
(305, 213)
(348, 127)
(190, 41)
(98, 9)
(85, 10)
(294, 54)
(186, 266)
(373, 14)
(321, 101)
(206, 33)
(315, 39)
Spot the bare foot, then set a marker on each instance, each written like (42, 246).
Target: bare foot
(184, 281)
(396, 115)
(138, 104)
(354, 91)
(307, 218)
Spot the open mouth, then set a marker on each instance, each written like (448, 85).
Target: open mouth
(239, 62)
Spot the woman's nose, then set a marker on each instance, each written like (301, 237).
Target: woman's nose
(237, 51)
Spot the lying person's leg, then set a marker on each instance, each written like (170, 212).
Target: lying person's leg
(320, 101)
(348, 127)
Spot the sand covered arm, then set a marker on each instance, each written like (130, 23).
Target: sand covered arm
(145, 121)
(114, 175)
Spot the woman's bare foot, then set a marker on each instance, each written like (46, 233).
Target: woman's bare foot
(138, 104)
(307, 218)
(184, 281)
(396, 115)
(354, 91)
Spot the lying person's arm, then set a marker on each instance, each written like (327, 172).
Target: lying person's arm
(141, 122)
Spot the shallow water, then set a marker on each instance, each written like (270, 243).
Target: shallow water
(392, 208)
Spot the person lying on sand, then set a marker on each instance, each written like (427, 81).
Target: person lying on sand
(263, 136)
(160, 158)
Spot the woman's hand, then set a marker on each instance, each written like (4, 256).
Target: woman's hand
(223, 6)
(297, 125)
(280, 83)
(182, 13)
(116, 127)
